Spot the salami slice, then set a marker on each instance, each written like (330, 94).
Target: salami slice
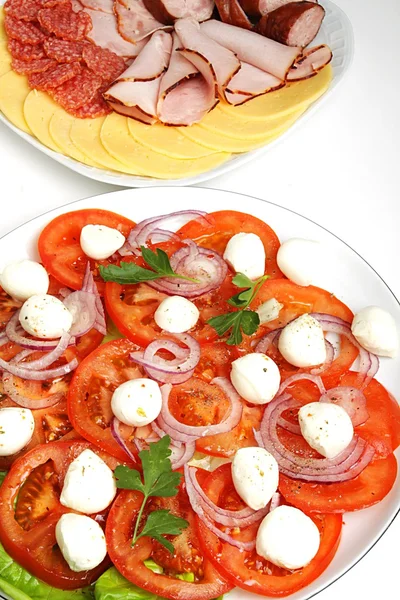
(55, 77)
(65, 23)
(51, 3)
(26, 52)
(104, 63)
(39, 65)
(79, 91)
(64, 51)
(97, 107)
(27, 33)
(25, 10)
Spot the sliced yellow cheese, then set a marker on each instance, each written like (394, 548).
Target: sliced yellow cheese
(14, 89)
(166, 140)
(85, 135)
(5, 59)
(118, 141)
(60, 127)
(38, 111)
(294, 96)
(3, 35)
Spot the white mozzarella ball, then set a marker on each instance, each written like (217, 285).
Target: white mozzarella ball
(45, 316)
(302, 342)
(24, 279)
(255, 475)
(137, 402)
(176, 314)
(255, 377)
(326, 427)
(288, 538)
(300, 260)
(269, 310)
(100, 242)
(89, 484)
(81, 541)
(245, 254)
(16, 429)
(376, 331)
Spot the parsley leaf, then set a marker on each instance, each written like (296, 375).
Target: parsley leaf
(158, 480)
(129, 272)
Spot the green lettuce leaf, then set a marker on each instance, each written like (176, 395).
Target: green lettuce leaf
(112, 586)
(2, 475)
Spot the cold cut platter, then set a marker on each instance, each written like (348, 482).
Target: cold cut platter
(134, 91)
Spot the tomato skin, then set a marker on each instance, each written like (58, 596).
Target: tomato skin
(240, 567)
(60, 250)
(35, 548)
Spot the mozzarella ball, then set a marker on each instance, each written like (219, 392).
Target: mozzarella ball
(176, 314)
(45, 316)
(89, 484)
(100, 242)
(245, 254)
(255, 377)
(302, 342)
(81, 541)
(137, 402)
(300, 260)
(16, 429)
(326, 427)
(376, 331)
(255, 475)
(288, 538)
(269, 310)
(24, 279)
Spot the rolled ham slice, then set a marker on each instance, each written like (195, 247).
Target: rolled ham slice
(104, 33)
(310, 63)
(185, 95)
(294, 24)
(135, 22)
(168, 11)
(136, 91)
(250, 82)
(256, 8)
(216, 63)
(106, 6)
(253, 48)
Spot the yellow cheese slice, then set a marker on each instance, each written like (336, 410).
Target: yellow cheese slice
(3, 35)
(85, 135)
(166, 140)
(5, 59)
(14, 89)
(38, 111)
(60, 127)
(118, 141)
(294, 96)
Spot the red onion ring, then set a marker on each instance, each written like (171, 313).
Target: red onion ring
(116, 433)
(15, 369)
(82, 306)
(330, 355)
(11, 389)
(49, 358)
(3, 338)
(276, 501)
(297, 377)
(14, 334)
(351, 399)
(186, 453)
(267, 340)
(89, 285)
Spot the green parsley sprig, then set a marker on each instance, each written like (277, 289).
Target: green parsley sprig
(158, 480)
(129, 272)
(243, 320)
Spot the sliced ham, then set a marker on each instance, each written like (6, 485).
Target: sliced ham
(168, 11)
(215, 62)
(185, 95)
(253, 48)
(106, 6)
(135, 22)
(250, 82)
(136, 91)
(293, 24)
(256, 8)
(238, 16)
(105, 34)
(310, 63)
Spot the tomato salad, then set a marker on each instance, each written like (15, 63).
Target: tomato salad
(174, 418)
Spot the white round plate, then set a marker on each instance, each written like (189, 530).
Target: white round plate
(347, 275)
(336, 31)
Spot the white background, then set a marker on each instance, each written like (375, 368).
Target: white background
(341, 169)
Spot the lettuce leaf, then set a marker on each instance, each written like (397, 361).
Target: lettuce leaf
(2, 475)
(113, 586)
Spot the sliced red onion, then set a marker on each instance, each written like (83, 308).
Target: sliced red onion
(267, 340)
(297, 377)
(82, 306)
(3, 338)
(351, 399)
(16, 334)
(276, 501)
(161, 433)
(11, 389)
(330, 355)
(186, 453)
(49, 358)
(36, 375)
(116, 433)
(89, 285)
(163, 235)
(64, 292)
(289, 426)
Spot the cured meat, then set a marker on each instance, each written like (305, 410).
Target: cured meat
(138, 87)
(258, 8)
(26, 33)
(252, 48)
(97, 107)
(310, 63)
(63, 51)
(26, 51)
(25, 10)
(185, 96)
(65, 23)
(39, 65)
(238, 16)
(294, 24)
(224, 10)
(51, 3)
(76, 6)
(106, 6)
(133, 113)
(104, 33)
(168, 11)
(210, 58)
(135, 22)
(104, 63)
(250, 82)
(77, 91)
(52, 78)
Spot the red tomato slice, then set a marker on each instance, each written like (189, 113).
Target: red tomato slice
(216, 229)
(60, 250)
(187, 558)
(30, 509)
(8, 307)
(248, 570)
